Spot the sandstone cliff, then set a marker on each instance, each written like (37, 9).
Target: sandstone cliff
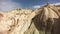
(27, 21)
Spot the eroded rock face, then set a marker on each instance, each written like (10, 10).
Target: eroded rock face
(12, 22)
(26, 21)
(46, 21)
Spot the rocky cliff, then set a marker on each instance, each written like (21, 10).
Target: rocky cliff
(27, 21)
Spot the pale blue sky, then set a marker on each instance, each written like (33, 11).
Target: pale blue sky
(13, 4)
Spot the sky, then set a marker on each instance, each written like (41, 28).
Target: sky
(6, 5)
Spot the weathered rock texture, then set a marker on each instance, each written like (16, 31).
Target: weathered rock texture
(46, 21)
(26, 21)
(14, 22)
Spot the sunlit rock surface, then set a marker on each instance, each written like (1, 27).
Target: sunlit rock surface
(27, 21)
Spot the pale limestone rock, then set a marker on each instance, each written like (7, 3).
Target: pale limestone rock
(18, 21)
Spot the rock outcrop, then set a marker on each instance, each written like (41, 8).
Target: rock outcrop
(13, 22)
(26, 21)
(46, 21)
